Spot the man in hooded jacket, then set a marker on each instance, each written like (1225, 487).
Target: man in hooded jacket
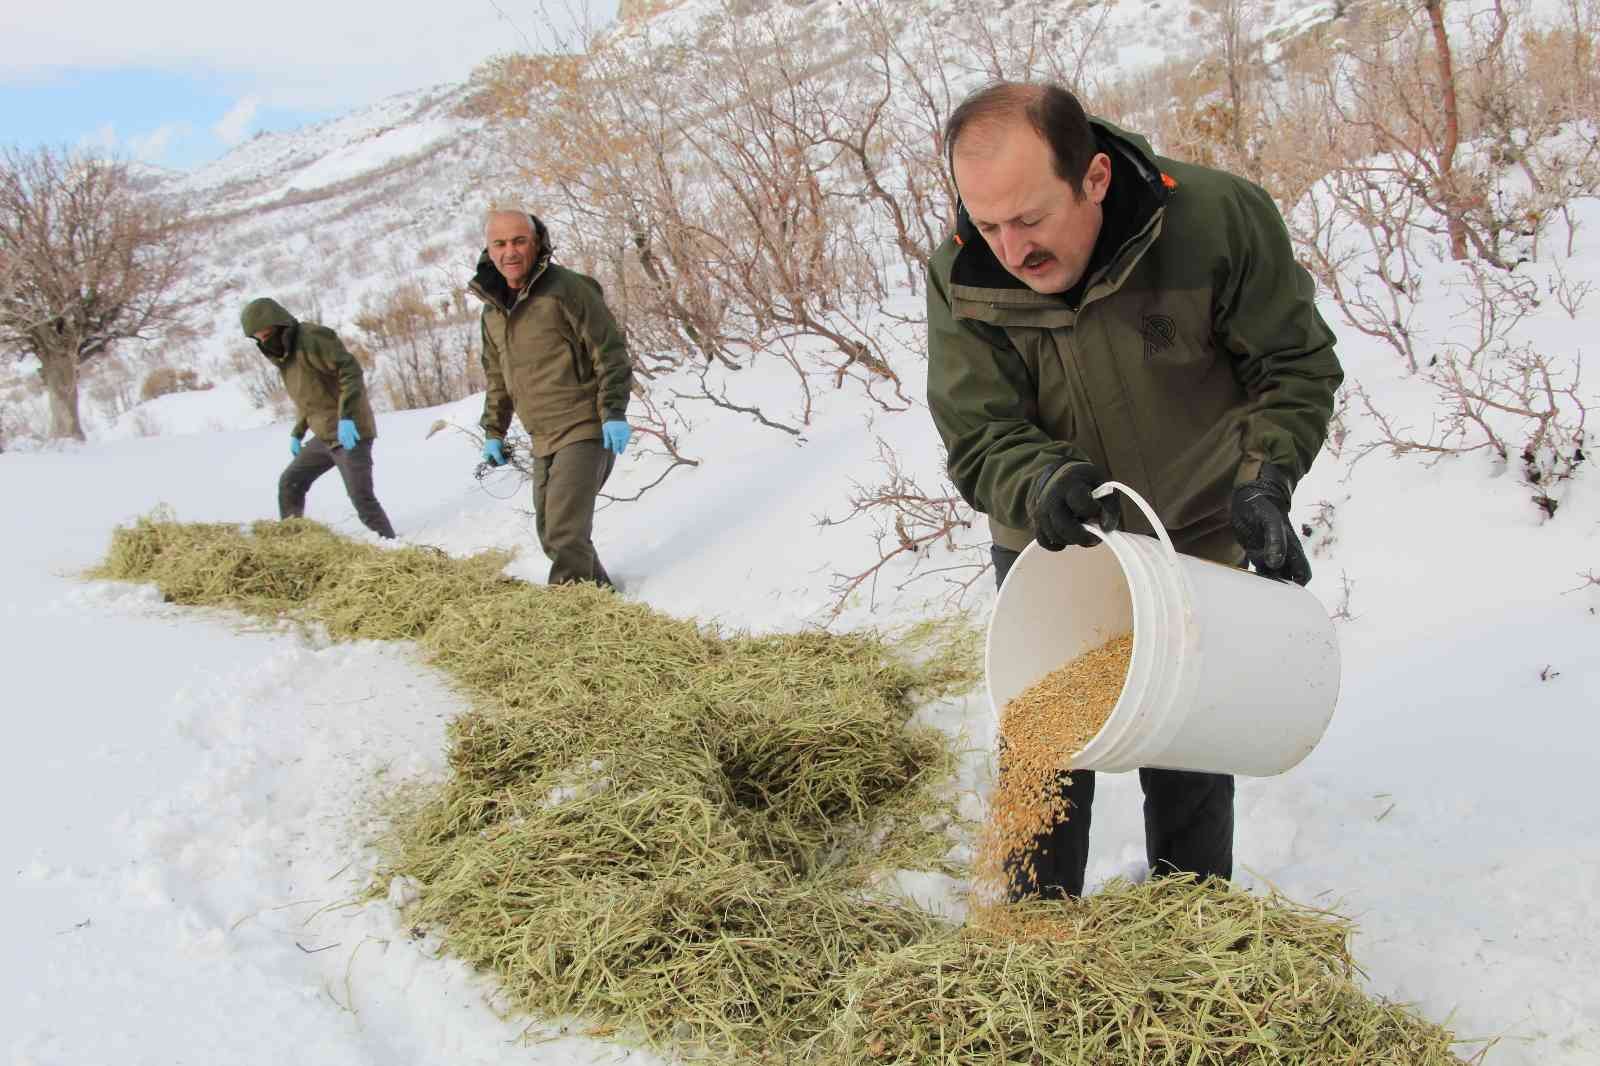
(553, 355)
(1102, 313)
(329, 393)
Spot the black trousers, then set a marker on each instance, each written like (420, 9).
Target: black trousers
(1188, 820)
(355, 467)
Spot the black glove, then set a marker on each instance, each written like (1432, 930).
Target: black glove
(1260, 514)
(1060, 502)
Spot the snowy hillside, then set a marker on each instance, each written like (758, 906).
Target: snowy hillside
(270, 166)
(344, 210)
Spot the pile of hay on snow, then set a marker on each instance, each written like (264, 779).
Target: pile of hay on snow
(1171, 971)
(684, 835)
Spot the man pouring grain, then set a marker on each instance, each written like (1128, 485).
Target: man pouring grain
(1103, 313)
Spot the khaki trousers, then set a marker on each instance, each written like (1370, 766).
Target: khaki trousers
(564, 489)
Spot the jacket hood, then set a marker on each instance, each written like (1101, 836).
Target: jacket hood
(491, 284)
(261, 313)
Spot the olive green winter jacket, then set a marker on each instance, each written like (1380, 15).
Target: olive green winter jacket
(1195, 355)
(322, 378)
(552, 352)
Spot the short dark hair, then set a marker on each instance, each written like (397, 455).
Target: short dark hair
(1053, 112)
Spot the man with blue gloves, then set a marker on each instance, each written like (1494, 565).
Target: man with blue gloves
(329, 393)
(553, 355)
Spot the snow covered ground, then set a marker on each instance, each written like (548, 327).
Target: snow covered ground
(188, 796)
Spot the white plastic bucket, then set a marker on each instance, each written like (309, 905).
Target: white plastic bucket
(1231, 672)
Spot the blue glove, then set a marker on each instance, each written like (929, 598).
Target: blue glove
(494, 452)
(347, 434)
(294, 445)
(617, 433)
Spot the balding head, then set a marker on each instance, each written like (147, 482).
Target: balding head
(985, 121)
(508, 215)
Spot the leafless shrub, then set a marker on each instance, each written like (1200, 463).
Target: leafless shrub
(260, 379)
(1520, 404)
(1319, 533)
(165, 380)
(111, 385)
(719, 398)
(1341, 611)
(1469, 143)
(1568, 294)
(655, 434)
(934, 531)
(24, 414)
(144, 424)
(1338, 424)
(424, 345)
(652, 435)
(1356, 243)
(1424, 124)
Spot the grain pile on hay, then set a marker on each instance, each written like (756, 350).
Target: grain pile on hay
(1168, 972)
(1041, 729)
(681, 837)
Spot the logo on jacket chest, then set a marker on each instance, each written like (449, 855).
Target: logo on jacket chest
(1160, 332)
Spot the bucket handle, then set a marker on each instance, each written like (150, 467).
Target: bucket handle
(1106, 488)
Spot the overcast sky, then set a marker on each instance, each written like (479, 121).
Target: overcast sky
(176, 82)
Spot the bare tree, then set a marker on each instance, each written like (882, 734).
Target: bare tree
(1450, 138)
(1231, 115)
(94, 258)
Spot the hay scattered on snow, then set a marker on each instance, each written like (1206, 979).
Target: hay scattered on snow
(275, 567)
(676, 833)
(1172, 971)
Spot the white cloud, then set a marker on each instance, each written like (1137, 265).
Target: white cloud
(148, 147)
(316, 56)
(152, 147)
(232, 127)
(104, 138)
